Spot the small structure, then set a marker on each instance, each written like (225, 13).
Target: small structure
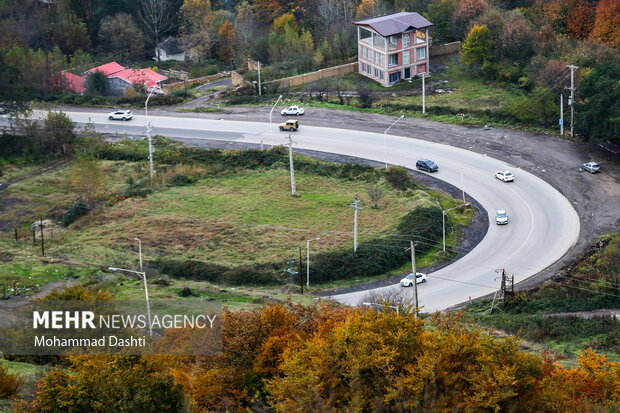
(169, 49)
(67, 81)
(393, 47)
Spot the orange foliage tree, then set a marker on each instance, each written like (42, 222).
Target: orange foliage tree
(581, 21)
(226, 43)
(607, 22)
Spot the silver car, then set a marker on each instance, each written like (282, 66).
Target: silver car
(501, 218)
(591, 167)
(408, 280)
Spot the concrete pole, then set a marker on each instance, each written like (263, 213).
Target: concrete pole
(259, 87)
(291, 167)
(561, 114)
(423, 94)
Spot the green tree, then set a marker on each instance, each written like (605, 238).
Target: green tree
(58, 133)
(97, 84)
(477, 47)
(440, 13)
(119, 35)
(598, 111)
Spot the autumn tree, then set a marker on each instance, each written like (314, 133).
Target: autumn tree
(106, 384)
(517, 39)
(119, 35)
(466, 12)
(87, 179)
(281, 23)
(245, 29)
(226, 42)
(477, 47)
(581, 21)
(195, 17)
(607, 22)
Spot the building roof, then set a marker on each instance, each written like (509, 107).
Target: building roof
(170, 46)
(108, 68)
(395, 23)
(140, 76)
(68, 81)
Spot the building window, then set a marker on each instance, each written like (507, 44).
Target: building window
(393, 59)
(405, 40)
(394, 77)
(363, 67)
(420, 53)
(376, 57)
(420, 36)
(381, 75)
(406, 57)
(376, 73)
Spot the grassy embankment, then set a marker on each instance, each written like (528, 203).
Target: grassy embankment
(590, 282)
(245, 217)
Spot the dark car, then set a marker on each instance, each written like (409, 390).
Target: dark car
(426, 165)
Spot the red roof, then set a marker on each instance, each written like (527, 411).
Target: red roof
(108, 68)
(140, 76)
(68, 81)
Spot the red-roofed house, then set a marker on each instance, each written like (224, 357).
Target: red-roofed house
(393, 47)
(107, 69)
(67, 81)
(122, 79)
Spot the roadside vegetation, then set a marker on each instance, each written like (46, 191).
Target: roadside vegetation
(590, 282)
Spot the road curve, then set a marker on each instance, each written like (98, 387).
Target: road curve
(543, 224)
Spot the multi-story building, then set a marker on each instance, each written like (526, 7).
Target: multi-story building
(393, 47)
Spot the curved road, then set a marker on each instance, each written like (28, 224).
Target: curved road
(543, 224)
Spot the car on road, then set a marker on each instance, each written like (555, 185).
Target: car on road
(591, 167)
(290, 125)
(293, 110)
(120, 115)
(426, 165)
(408, 280)
(501, 217)
(505, 176)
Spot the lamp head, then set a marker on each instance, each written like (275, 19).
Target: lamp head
(112, 268)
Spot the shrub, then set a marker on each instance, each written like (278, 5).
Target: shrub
(180, 180)
(78, 210)
(10, 384)
(399, 178)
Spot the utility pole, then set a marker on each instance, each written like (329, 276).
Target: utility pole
(415, 280)
(423, 94)
(291, 272)
(259, 88)
(148, 134)
(561, 114)
(291, 167)
(356, 207)
(571, 100)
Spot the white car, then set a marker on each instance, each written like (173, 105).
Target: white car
(120, 115)
(293, 110)
(501, 218)
(505, 176)
(591, 167)
(408, 280)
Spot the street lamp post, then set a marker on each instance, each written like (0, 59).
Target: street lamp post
(385, 133)
(308, 260)
(443, 219)
(484, 155)
(139, 251)
(142, 275)
(274, 106)
(148, 133)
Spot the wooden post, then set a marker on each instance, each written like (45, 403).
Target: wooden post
(42, 241)
(34, 238)
(15, 234)
(301, 272)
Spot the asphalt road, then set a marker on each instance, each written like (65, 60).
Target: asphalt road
(543, 224)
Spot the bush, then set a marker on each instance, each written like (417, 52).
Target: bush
(78, 210)
(399, 178)
(262, 274)
(10, 384)
(180, 180)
